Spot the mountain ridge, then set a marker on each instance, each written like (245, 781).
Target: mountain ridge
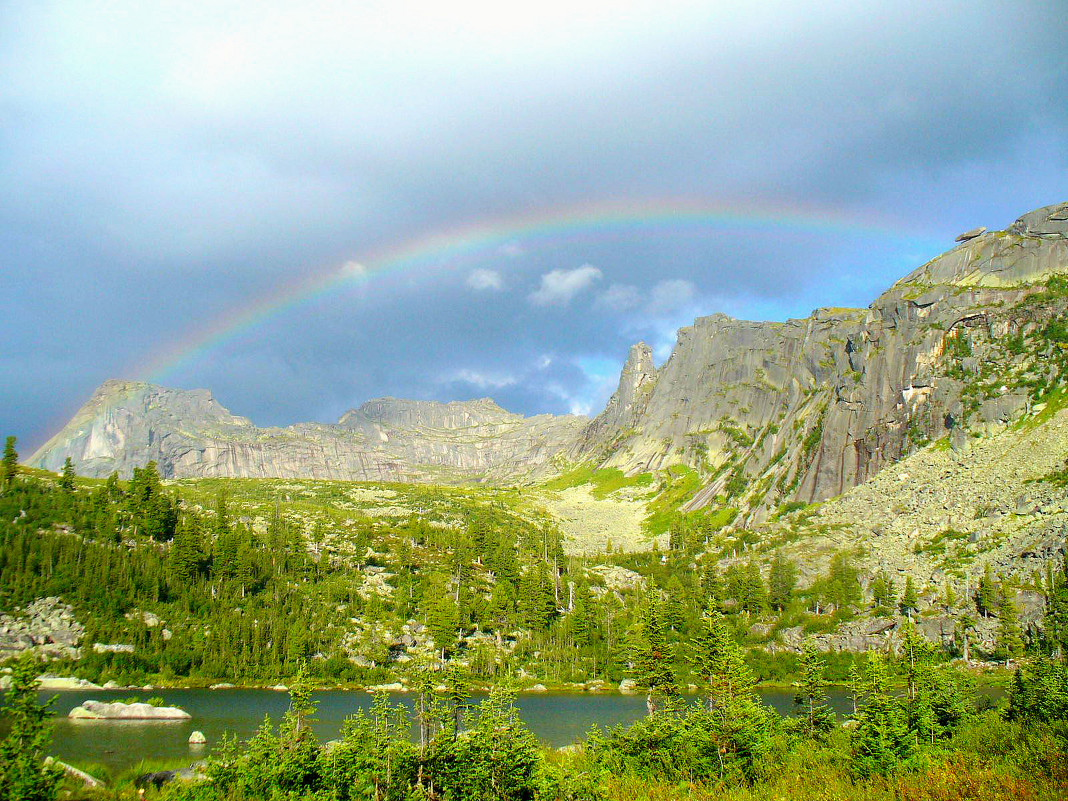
(763, 412)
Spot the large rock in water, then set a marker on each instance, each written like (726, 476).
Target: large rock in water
(189, 434)
(101, 710)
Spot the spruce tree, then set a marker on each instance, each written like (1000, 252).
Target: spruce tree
(986, 596)
(781, 581)
(718, 661)
(881, 738)
(909, 600)
(23, 776)
(652, 659)
(1009, 640)
(10, 462)
(66, 478)
(811, 693)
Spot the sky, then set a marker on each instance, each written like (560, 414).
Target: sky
(302, 206)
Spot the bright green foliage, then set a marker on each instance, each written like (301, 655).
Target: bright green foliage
(66, 478)
(1056, 617)
(9, 466)
(23, 776)
(782, 579)
(718, 663)
(1009, 640)
(941, 704)
(909, 600)
(840, 588)
(722, 740)
(883, 592)
(881, 739)
(496, 760)
(375, 757)
(652, 657)
(754, 595)
(811, 695)
(986, 595)
(1039, 691)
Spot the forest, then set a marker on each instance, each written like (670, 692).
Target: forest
(252, 580)
(249, 590)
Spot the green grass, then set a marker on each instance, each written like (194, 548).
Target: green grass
(681, 485)
(605, 481)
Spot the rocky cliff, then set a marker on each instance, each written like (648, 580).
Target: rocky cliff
(806, 409)
(764, 412)
(188, 434)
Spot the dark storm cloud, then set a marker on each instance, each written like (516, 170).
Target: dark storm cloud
(162, 166)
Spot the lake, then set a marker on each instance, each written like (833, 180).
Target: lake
(556, 719)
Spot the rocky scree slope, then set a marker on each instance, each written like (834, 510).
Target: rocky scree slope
(769, 412)
(190, 435)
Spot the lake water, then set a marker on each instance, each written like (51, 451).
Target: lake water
(556, 719)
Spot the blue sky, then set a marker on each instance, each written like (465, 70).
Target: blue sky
(164, 164)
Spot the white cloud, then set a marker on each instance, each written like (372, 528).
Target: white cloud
(483, 279)
(619, 298)
(669, 296)
(512, 250)
(559, 287)
(482, 380)
(353, 269)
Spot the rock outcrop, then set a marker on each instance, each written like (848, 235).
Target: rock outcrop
(765, 412)
(47, 627)
(101, 710)
(806, 409)
(188, 434)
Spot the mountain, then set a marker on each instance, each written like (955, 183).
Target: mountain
(762, 412)
(806, 409)
(189, 434)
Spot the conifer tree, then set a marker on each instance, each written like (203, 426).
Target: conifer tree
(811, 693)
(781, 581)
(881, 738)
(66, 478)
(23, 776)
(10, 464)
(909, 600)
(754, 593)
(652, 659)
(718, 660)
(986, 596)
(1009, 641)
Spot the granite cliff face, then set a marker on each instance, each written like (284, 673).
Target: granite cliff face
(765, 412)
(188, 434)
(806, 409)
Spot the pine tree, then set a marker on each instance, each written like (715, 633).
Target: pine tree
(10, 465)
(754, 594)
(718, 661)
(781, 581)
(986, 596)
(674, 604)
(652, 658)
(66, 478)
(909, 600)
(881, 737)
(811, 693)
(23, 776)
(1009, 641)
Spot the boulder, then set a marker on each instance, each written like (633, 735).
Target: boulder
(197, 738)
(537, 688)
(628, 686)
(101, 710)
(971, 234)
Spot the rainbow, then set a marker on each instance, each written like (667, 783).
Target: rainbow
(460, 245)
